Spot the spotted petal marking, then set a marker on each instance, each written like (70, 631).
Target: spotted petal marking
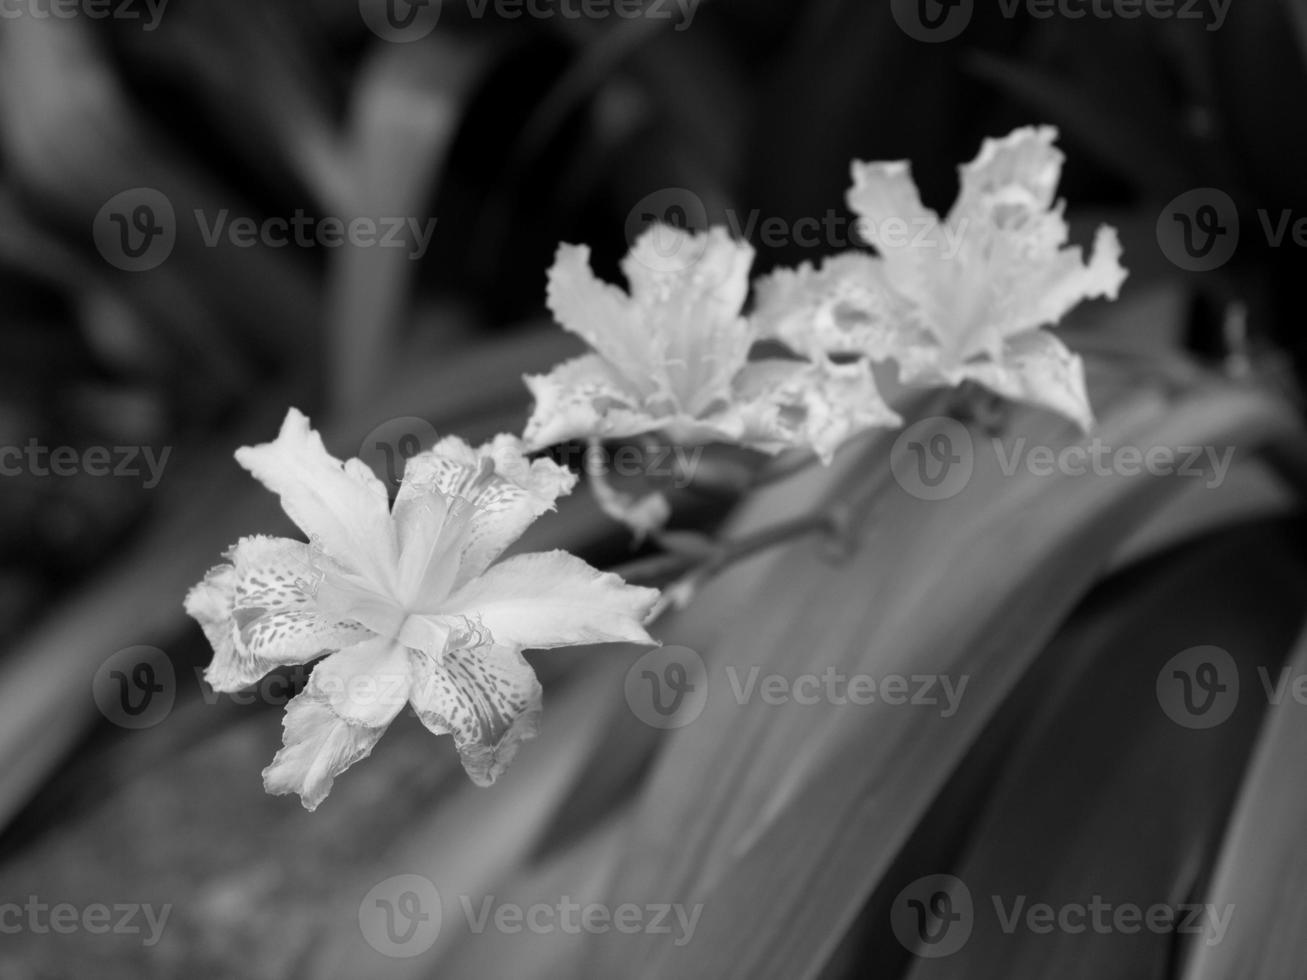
(487, 697)
(258, 614)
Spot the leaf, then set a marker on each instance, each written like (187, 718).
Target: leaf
(408, 107)
(1262, 870)
(1093, 792)
(808, 805)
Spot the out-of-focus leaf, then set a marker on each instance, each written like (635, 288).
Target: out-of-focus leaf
(808, 804)
(1093, 767)
(73, 141)
(1262, 871)
(275, 113)
(408, 105)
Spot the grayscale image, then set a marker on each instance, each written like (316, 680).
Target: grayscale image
(688, 489)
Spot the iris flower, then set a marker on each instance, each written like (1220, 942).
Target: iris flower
(408, 605)
(672, 357)
(961, 299)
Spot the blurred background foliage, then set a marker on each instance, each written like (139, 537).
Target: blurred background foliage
(796, 831)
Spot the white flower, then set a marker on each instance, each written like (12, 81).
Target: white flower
(959, 299)
(672, 357)
(409, 605)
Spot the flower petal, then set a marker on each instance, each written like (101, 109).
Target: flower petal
(690, 304)
(487, 697)
(505, 491)
(1036, 368)
(796, 404)
(604, 317)
(584, 397)
(553, 599)
(1068, 279)
(343, 508)
(366, 684)
(1022, 169)
(258, 613)
(846, 306)
(317, 747)
(889, 208)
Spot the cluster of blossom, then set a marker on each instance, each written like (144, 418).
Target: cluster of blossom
(411, 604)
(964, 298)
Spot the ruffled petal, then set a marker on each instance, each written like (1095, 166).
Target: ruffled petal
(796, 404)
(317, 747)
(1022, 170)
(890, 212)
(342, 507)
(584, 397)
(846, 306)
(486, 697)
(366, 684)
(604, 317)
(692, 310)
(504, 493)
(258, 612)
(1068, 279)
(1034, 367)
(885, 191)
(553, 599)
